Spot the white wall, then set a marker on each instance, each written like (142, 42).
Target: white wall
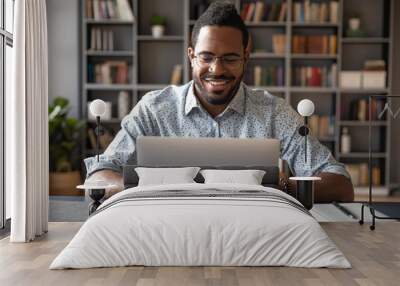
(63, 38)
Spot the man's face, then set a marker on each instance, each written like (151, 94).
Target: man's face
(217, 80)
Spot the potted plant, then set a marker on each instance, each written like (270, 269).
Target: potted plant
(158, 25)
(64, 137)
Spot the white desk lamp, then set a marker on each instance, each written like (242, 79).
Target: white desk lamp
(97, 108)
(306, 109)
(305, 185)
(97, 189)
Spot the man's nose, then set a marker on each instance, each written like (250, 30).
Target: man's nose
(217, 66)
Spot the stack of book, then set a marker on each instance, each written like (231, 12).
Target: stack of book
(314, 44)
(109, 72)
(259, 11)
(268, 76)
(109, 9)
(315, 11)
(314, 76)
(322, 125)
(359, 174)
(359, 109)
(101, 40)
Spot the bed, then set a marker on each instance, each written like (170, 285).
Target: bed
(201, 224)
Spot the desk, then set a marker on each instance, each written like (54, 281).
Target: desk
(374, 255)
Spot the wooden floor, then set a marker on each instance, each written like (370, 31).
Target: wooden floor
(375, 256)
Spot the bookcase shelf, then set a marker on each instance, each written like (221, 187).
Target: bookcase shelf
(299, 89)
(96, 86)
(362, 123)
(364, 90)
(266, 24)
(314, 25)
(271, 89)
(107, 121)
(365, 40)
(109, 53)
(146, 87)
(261, 55)
(151, 60)
(108, 22)
(363, 155)
(314, 56)
(161, 39)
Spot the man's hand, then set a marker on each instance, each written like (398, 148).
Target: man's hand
(109, 177)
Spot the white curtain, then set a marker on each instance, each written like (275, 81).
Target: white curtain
(27, 124)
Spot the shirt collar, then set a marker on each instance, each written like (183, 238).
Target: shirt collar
(236, 104)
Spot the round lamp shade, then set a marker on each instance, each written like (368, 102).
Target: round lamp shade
(305, 107)
(97, 107)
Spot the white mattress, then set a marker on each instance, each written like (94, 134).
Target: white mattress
(189, 231)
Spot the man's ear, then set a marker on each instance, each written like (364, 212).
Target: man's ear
(190, 53)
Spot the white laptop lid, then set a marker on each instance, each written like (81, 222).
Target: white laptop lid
(179, 151)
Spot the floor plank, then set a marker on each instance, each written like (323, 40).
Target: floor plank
(375, 257)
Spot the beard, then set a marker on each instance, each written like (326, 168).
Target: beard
(216, 98)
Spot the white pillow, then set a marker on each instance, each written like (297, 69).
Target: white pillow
(163, 176)
(248, 177)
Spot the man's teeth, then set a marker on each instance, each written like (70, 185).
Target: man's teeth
(217, 82)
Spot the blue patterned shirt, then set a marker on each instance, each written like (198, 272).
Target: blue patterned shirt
(252, 113)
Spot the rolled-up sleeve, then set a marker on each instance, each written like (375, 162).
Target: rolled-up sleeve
(319, 158)
(122, 149)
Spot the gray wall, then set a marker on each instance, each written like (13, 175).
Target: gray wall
(63, 38)
(395, 142)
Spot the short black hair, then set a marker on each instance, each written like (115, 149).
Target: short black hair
(220, 13)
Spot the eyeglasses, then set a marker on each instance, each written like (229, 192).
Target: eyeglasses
(228, 61)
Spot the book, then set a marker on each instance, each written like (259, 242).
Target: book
(257, 75)
(259, 11)
(250, 12)
(274, 10)
(110, 9)
(279, 43)
(89, 9)
(124, 10)
(176, 76)
(96, 10)
(333, 12)
(244, 11)
(104, 41)
(332, 44)
(282, 13)
(98, 39)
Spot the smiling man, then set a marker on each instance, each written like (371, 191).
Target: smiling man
(218, 104)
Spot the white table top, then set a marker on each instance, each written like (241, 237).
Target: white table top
(305, 178)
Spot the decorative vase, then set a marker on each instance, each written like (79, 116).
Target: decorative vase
(354, 24)
(157, 31)
(64, 183)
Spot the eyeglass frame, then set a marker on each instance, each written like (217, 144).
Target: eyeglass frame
(215, 58)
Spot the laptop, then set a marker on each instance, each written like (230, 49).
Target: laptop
(184, 151)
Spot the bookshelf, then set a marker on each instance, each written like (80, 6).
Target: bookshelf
(143, 53)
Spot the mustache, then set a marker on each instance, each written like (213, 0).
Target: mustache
(216, 77)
